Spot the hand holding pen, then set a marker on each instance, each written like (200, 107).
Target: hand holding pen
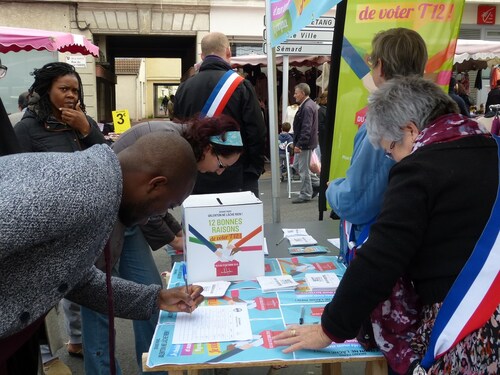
(184, 276)
(185, 298)
(180, 300)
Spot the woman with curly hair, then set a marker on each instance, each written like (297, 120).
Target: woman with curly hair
(55, 119)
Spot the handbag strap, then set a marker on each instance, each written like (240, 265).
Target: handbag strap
(221, 93)
(474, 295)
(111, 312)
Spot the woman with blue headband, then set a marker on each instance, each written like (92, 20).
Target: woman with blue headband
(217, 145)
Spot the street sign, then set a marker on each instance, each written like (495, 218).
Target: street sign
(324, 22)
(309, 35)
(314, 39)
(318, 49)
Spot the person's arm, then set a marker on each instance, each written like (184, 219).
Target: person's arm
(178, 242)
(358, 197)
(160, 231)
(76, 119)
(94, 136)
(308, 114)
(387, 254)
(132, 300)
(22, 130)
(253, 130)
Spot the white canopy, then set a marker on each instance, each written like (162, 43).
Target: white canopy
(479, 50)
(239, 61)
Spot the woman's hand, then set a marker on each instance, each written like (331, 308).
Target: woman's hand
(177, 243)
(76, 119)
(177, 300)
(302, 337)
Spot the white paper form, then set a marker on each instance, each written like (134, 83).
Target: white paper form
(213, 324)
(335, 242)
(213, 289)
(298, 237)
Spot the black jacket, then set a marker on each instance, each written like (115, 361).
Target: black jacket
(35, 137)
(435, 208)
(493, 98)
(305, 126)
(243, 107)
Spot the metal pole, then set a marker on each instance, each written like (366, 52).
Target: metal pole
(273, 117)
(284, 95)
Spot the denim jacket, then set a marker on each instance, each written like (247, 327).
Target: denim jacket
(358, 197)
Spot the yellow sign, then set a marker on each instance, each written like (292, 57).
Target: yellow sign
(121, 120)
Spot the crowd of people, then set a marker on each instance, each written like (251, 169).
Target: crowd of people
(79, 217)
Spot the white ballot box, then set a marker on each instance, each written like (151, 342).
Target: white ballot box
(223, 236)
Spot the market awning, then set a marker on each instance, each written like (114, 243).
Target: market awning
(15, 39)
(477, 50)
(239, 61)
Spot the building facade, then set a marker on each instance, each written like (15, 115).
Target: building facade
(150, 29)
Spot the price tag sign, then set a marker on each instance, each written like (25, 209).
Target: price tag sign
(121, 120)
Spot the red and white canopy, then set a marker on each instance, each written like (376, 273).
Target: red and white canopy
(15, 39)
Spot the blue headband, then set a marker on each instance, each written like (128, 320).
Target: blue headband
(233, 138)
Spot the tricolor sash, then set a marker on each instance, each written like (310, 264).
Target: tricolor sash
(354, 243)
(221, 93)
(474, 295)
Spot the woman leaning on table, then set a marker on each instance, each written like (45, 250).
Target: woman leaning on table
(440, 196)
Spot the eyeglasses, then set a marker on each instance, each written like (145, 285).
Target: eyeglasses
(388, 154)
(220, 165)
(371, 61)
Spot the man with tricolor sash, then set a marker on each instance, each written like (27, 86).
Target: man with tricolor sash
(216, 89)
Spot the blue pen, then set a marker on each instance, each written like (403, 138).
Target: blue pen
(184, 275)
(302, 313)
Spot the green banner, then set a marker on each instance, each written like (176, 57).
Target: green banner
(438, 22)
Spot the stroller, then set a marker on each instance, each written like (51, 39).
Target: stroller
(286, 158)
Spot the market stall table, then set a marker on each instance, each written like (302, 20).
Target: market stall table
(269, 314)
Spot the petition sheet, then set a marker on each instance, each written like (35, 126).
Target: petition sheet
(213, 324)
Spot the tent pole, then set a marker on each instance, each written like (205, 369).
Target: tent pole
(284, 95)
(273, 117)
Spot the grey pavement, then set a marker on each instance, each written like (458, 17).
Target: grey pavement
(125, 352)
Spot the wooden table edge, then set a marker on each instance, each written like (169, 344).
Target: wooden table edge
(375, 365)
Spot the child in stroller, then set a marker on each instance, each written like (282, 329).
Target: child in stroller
(285, 141)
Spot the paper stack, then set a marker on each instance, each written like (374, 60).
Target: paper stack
(298, 237)
(280, 283)
(213, 289)
(307, 250)
(322, 282)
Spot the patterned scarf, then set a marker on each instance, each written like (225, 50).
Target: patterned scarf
(448, 128)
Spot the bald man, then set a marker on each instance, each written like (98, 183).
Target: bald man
(242, 105)
(56, 215)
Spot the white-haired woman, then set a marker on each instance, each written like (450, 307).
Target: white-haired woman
(440, 197)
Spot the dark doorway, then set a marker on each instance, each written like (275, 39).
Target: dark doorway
(142, 46)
